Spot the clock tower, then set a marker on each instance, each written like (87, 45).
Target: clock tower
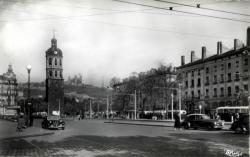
(54, 79)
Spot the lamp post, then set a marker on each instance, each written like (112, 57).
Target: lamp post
(29, 104)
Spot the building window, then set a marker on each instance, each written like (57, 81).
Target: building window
(222, 67)
(186, 83)
(60, 62)
(215, 79)
(192, 73)
(186, 74)
(60, 74)
(199, 72)
(192, 93)
(229, 78)
(55, 73)
(229, 92)
(215, 68)
(221, 78)
(192, 83)
(199, 82)
(246, 87)
(237, 64)
(199, 94)
(55, 61)
(246, 61)
(207, 92)
(186, 94)
(237, 76)
(50, 73)
(207, 81)
(215, 92)
(237, 89)
(207, 70)
(221, 91)
(229, 65)
(50, 61)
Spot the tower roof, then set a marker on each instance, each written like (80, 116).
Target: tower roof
(54, 50)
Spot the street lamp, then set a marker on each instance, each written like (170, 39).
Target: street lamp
(200, 108)
(29, 105)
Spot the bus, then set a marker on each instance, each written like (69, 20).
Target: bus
(227, 113)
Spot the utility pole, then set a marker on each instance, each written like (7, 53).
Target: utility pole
(90, 109)
(180, 99)
(172, 106)
(107, 112)
(135, 104)
(59, 108)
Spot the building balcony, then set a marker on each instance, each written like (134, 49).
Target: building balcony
(206, 97)
(207, 83)
(192, 86)
(229, 80)
(215, 82)
(229, 95)
(222, 95)
(198, 85)
(222, 81)
(215, 96)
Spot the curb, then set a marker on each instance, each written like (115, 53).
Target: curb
(157, 125)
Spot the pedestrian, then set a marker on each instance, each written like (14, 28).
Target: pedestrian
(177, 122)
(237, 116)
(20, 122)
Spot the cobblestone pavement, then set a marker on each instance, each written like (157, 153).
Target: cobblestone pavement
(95, 138)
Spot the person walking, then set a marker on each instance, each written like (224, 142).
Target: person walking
(177, 122)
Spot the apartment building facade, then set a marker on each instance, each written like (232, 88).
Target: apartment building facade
(218, 80)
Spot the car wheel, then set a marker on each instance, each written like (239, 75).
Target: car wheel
(238, 130)
(210, 127)
(187, 125)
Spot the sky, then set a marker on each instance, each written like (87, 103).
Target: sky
(101, 39)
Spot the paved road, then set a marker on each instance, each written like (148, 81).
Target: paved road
(96, 138)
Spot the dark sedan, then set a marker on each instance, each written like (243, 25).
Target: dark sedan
(53, 122)
(201, 121)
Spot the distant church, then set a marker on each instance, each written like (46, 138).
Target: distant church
(54, 79)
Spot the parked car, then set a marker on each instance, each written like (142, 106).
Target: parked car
(241, 125)
(53, 122)
(201, 121)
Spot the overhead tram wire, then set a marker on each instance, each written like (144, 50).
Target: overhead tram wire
(198, 6)
(185, 12)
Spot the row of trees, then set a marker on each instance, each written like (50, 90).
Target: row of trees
(153, 90)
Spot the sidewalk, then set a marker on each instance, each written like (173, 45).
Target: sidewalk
(8, 131)
(148, 122)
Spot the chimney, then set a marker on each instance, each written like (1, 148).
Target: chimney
(203, 52)
(220, 47)
(182, 60)
(235, 44)
(248, 36)
(192, 56)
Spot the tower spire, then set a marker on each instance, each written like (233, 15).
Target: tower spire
(54, 32)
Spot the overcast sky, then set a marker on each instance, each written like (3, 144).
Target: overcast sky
(105, 38)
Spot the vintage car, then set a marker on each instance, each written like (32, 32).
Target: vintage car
(201, 121)
(53, 122)
(241, 125)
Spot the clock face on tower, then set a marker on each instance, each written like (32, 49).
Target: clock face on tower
(55, 52)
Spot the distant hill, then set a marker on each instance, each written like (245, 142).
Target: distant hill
(82, 92)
